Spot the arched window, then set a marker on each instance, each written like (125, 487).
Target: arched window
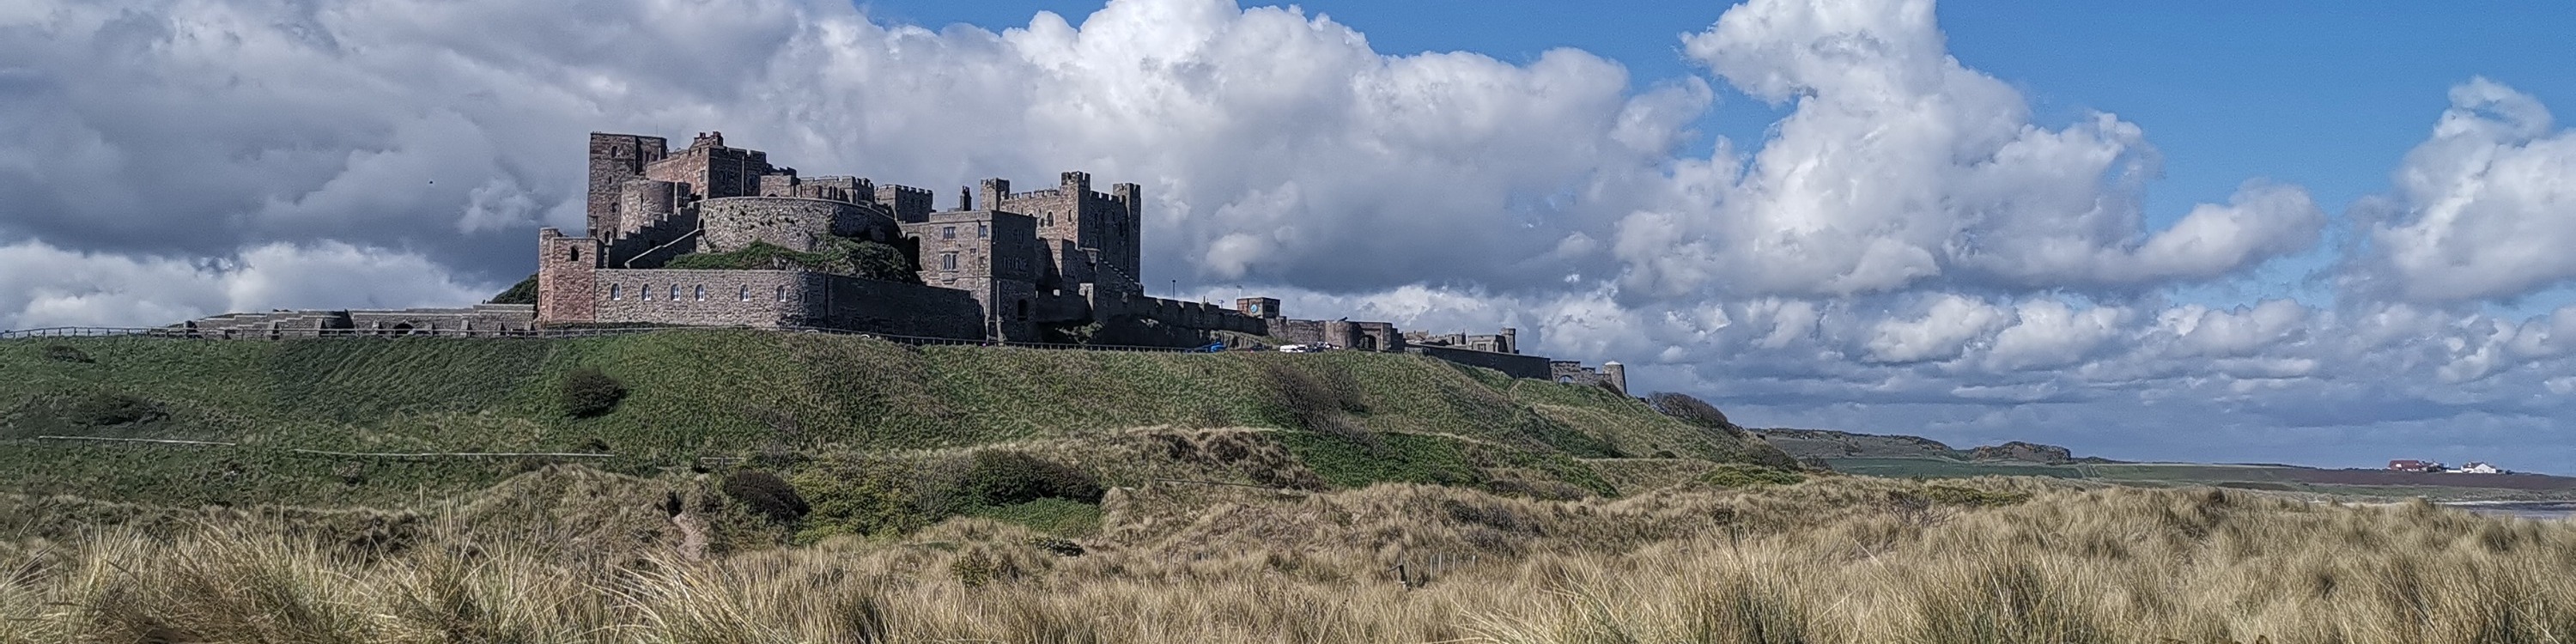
(646, 293)
(612, 291)
(572, 254)
(782, 292)
(702, 292)
(675, 292)
(745, 295)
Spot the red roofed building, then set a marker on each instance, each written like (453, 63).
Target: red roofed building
(2412, 465)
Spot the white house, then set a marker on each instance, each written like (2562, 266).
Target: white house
(2475, 467)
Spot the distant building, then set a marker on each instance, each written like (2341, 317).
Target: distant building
(2412, 465)
(2475, 467)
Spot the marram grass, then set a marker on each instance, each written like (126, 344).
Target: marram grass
(1834, 559)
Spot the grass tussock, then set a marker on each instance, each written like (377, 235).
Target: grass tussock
(1833, 559)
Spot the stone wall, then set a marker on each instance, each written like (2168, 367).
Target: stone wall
(1364, 336)
(1514, 365)
(705, 297)
(1572, 372)
(480, 319)
(649, 247)
(1505, 342)
(788, 222)
(892, 308)
(788, 298)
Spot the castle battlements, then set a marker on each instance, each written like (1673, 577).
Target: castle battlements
(714, 235)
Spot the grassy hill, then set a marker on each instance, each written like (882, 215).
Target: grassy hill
(792, 401)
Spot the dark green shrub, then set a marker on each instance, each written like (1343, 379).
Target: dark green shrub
(1691, 410)
(882, 262)
(766, 494)
(1315, 402)
(66, 353)
(1061, 546)
(1955, 495)
(976, 568)
(587, 392)
(524, 292)
(103, 409)
(860, 501)
(996, 477)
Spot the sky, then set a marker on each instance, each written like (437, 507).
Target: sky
(2212, 231)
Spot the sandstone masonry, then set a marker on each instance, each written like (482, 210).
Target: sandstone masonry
(1023, 263)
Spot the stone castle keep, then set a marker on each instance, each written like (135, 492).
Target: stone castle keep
(999, 266)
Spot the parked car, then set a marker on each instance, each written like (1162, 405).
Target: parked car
(1298, 348)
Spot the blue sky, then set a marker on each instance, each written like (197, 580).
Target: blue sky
(2322, 94)
(2148, 230)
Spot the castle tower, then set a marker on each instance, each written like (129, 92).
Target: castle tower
(614, 160)
(711, 170)
(1257, 307)
(994, 191)
(1126, 246)
(1616, 374)
(567, 274)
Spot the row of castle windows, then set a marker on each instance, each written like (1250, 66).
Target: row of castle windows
(615, 292)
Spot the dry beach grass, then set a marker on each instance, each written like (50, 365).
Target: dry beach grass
(1837, 559)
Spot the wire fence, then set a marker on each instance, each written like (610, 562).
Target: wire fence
(570, 332)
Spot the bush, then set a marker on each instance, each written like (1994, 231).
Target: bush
(524, 292)
(102, 409)
(998, 477)
(975, 568)
(1060, 546)
(1315, 403)
(1955, 495)
(587, 392)
(66, 353)
(860, 500)
(1738, 475)
(1691, 410)
(766, 494)
(882, 262)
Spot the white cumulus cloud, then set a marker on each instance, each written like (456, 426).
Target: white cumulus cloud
(2485, 208)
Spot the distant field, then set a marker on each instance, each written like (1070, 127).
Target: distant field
(2252, 477)
(1942, 468)
(2257, 473)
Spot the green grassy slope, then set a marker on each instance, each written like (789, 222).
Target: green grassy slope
(711, 393)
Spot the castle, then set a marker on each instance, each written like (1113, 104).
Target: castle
(713, 235)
